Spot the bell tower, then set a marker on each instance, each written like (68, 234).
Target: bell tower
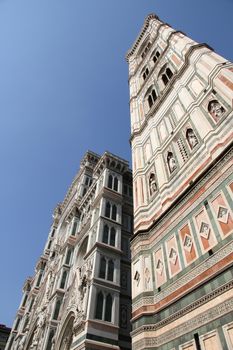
(181, 95)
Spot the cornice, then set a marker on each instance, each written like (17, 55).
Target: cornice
(141, 35)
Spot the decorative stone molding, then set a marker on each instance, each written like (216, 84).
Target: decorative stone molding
(186, 327)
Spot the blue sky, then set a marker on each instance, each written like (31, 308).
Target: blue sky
(64, 90)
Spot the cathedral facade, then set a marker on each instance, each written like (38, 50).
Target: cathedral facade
(181, 96)
(80, 295)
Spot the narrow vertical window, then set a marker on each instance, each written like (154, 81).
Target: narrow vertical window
(114, 212)
(68, 256)
(99, 306)
(74, 228)
(102, 267)
(165, 79)
(107, 210)
(108, 309)
(150, 101)
(49, 343)
(105, 234)
(57, 310)
(63, 280)
(110, 270)
(110, 181)
(39, 279)
(115, 187)
(113, 236)
(169, 73)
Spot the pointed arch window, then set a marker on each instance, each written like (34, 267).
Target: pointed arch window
(113, 236)
(108, 309)
(68, 256)
(155, 56)
(102, 268)
(57, 309)
(111, 211)
(151, 96)
(166, 75)
(106, 269)
(63, 279)
(105, 234)
(104, 303)
(99, 306)
(113, 182)
(109, 235)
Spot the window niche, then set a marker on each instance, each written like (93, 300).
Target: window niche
(106, 269)
(109, 235)
(113, 182)
(216, 110)
(155, 56)
(153, 186)
(111, 211)
(171, 162)
(165, 75)
(150, 97)
(104, 303)
(191, 138)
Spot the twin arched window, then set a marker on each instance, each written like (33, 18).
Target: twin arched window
(166, 76)
(106, 269)
(113, 182)
(109, 235)
(111, 211)
(155, 56)
(152, 97)
(104, 307)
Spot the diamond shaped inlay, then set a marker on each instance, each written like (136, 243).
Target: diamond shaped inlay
(223, 214)
(205, 230)
(159, 267)
(173, 256)
(188, 243)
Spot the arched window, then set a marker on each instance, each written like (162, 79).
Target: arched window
(108, 309)
(102, 267)
(111, 211)
(114, 212)
(166, 74)
(63, 280)
(146, 49)
(155, 56)
(39, 279)
(165, 79)
(107, 210)
(145, 72)
(151, 96)
(50, 338)
(113, 236)
(99, 306)
(110, 181)
(113, 182)
(57, 309)
(68, 257)
(74, 227)
(115, 187)
(110, 270)
(191, 138)
(105, 234)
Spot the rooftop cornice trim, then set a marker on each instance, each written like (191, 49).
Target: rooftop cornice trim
(140, 36)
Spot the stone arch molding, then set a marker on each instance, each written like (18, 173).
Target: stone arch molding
(65, 334)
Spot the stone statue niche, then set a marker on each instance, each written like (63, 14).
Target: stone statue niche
(171, 162)
(152, 184)
(191, 138)
(216, 110)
